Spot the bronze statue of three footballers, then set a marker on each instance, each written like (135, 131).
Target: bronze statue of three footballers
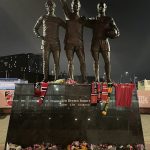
(103, 27)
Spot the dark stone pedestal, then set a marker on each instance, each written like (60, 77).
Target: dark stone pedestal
(67, 115)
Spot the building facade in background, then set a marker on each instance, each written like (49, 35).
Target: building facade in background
(22, 66)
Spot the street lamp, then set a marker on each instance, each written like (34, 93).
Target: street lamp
(125, 77)
(104, 76)
(126, 73)
(52, 72)
(128, 76)
(6, 69)
(135, 78)
(120, 78)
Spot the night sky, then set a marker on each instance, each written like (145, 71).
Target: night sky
(130, 52)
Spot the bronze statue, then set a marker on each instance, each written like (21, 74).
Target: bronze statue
(50, 38)
(104, 27)
(74, 37)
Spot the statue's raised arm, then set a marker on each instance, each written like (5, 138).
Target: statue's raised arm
(74, 37)
(66, 8)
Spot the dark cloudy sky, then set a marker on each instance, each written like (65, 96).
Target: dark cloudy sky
(130, 52)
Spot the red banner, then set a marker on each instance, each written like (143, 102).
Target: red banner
(144, 98)
(6, 98)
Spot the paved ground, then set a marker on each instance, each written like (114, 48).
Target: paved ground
(3, 130)
(145, 123)
(146, 130)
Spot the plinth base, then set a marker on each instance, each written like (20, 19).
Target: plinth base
(67, 115)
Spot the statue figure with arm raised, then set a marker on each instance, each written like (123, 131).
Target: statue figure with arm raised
(74, 37)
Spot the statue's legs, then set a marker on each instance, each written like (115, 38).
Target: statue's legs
(95, 55)
(69, 54)
(106, 56)
(46, 54)
(81, 56)
(105, 51)
(56, 56)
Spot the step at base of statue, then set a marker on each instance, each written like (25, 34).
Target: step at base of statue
(67, 115)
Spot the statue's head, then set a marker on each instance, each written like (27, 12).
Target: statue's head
(101, 7)
(50, 6)
(75, 6)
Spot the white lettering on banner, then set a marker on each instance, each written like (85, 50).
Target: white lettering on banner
(144, 98)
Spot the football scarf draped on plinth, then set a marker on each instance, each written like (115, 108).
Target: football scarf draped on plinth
(40, 90)
(100, 92)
